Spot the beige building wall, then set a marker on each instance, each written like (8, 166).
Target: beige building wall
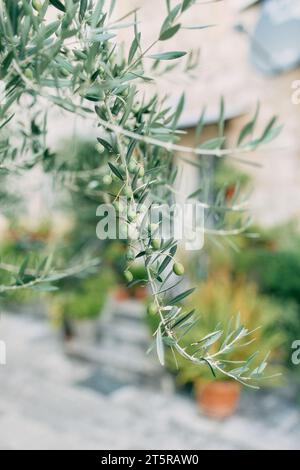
(226, 70)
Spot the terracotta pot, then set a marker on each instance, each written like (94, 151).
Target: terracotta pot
(218, 399)
(140, 293)
(121, 293)
(137, 293)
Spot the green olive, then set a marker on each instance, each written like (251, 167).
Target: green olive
(128, 276)
(100, 148)
(132, 167)
(178, 269)
(37, 5)
(155, 243)
(141, 171)
(107, 180)
(152, 309)
(64, 72)
(130, 255)
(28, 74)
(128, 192)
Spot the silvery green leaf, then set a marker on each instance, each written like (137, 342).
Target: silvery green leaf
(160, 346)
(186, 4)
(169, 33)
(168, 55)
(249, 127)
(45, 288)
(83, 8)
(212, 144)
(181, 296)
(134, 47)
(221, 123)
(209, 340)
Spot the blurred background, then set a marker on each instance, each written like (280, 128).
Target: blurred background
(77, 375)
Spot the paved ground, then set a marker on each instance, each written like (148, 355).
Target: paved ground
(47, 403)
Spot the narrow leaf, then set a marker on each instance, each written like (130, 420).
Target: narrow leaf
(116, 171)
(160, 347)
(181, 296)
(168, 55)
(58, 4)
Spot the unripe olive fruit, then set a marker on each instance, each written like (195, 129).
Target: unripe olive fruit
(155, 243)
(107, 180)
(37, 5)
(128, 276)
(128, 192)
(28, 74)
(132, 167)
(64, 72)
(79, 55)
(152, 309)
(178, 269)
(100, 148)
(130, 255)
(141, 171)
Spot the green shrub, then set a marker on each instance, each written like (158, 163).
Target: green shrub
(276, 272)
(85, 301)
(219, 306)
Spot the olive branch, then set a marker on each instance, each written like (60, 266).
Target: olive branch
(76, 63)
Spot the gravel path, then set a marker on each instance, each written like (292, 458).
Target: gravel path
(47, 403)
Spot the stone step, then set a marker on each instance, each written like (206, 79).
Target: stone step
(128, 309)
(126, 331)
(116, 357)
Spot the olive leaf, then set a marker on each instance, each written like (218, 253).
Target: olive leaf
(58, 4)
(168, 55)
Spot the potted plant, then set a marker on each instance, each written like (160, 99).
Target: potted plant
(218, 396)
(218, 399)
